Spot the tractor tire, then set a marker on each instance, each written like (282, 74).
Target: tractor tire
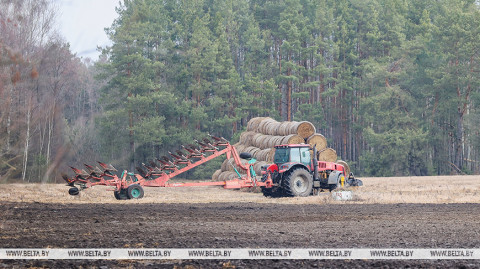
(73, 191)
(273, 192)
(135, 191)
(299, 182)
(120, 195)
(332, 187)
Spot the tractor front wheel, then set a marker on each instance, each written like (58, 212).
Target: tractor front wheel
(299, 182)
(135, 191)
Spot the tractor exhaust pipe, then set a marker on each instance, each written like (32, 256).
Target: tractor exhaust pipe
(315, 163)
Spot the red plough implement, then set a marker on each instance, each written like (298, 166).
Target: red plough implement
(158, 172)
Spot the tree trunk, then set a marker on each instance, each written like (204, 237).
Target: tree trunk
(27, 140)
(459, 142)
(9, 119)
(51, 124)
(289, 96)
(131, 137)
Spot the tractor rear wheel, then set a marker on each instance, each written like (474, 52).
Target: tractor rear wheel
(135, 191)
(121, 194)
(299, 182)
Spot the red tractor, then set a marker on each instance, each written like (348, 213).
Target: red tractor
(295, 173)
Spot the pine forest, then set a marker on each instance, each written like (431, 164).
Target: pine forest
(393, 85)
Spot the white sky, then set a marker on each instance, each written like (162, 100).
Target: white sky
(82, 23)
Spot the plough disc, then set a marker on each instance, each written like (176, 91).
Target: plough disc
(158, 171)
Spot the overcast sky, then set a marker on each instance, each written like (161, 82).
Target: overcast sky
(82, 23)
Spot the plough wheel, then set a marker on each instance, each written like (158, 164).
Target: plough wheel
(73, 191)
(135, 191)
(120, 195)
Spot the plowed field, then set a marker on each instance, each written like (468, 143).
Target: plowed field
(40, 216)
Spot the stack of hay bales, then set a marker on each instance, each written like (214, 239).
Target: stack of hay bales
(263, 134)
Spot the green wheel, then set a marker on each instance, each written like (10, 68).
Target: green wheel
(135, 191)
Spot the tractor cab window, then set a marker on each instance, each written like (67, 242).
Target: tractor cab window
(295, 155)
(305, 156)
(281, 155)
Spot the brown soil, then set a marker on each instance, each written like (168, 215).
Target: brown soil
(238, 225)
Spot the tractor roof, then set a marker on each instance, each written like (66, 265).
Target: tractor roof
(293, 146)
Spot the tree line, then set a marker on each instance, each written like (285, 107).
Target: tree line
(46, 93)
(393, 85)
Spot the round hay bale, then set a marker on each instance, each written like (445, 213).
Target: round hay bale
(346, 166)
(293, 139)
(318, 140)
(278, 141)
(249, 138)
(283, 129)
(249, 124)
(293, 126)
(288, 128)
(257, 167)
(256, 123)
(271, 155)
(327, 155)
(262, 141)
(253, 150)
(240, 148)
(253, 123)
(258, 155)
(257, 139)
(227, 175)
(231, 165)
(268, 122)
(270, 142)
(221, 176)
(263, 122)
(262, 155)
(244, 137)
(216, 174)
(248, 149)
(305, 129)
(270, 128)
(276, 128)
(266, 143)
(268, 153)
(231, 176)
(223, 167)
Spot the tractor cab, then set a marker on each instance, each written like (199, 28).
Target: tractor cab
(290, 154)
(295, 173)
